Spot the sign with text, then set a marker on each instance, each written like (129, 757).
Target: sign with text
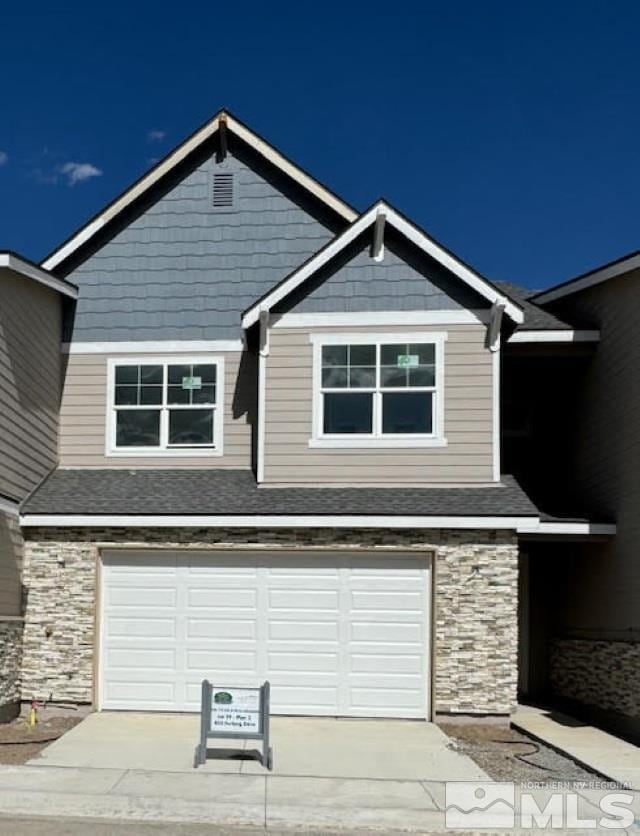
(236, 710)
(192, 383)
(406, 361)
(235, 713)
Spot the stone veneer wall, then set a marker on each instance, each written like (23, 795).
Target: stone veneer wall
(10, 665)
(600, 673)
(476, 602)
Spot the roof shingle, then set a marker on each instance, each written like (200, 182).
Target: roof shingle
(235, 492)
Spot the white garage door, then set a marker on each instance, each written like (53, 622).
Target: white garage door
(335, 635)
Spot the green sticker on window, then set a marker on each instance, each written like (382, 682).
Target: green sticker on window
(407, 360)
(192, 383)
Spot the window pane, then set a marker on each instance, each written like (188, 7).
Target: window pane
(191, 426)
(334, 377)
(176, 373)
(393, 376)
(362, 355)
(176, 394)
(151, 374)
(206, 373)
(138, 428)
(334, 355)
(348, 413)
(389, 354)
(426, 352)
(422, 376)
(127, 374)
(150, 395)
(207, 394)
(362, 378)
(407, 412)
(126, 395)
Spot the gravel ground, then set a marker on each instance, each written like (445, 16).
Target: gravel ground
(508, 755)
(19, 743)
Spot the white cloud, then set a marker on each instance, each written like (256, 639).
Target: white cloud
(79, 172)
(156, 135)
(4, 158)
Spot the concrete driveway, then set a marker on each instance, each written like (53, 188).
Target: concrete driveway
(401, 750)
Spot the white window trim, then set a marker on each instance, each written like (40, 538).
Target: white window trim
(161, 452)
(435, 439)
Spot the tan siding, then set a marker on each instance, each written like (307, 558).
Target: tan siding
(10, 566)
(30, 374)
(468, 425)
(607, 582)
(83, 416)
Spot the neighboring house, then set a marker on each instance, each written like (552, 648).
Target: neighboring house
(594, 626)
(31, 315)
(280, 453)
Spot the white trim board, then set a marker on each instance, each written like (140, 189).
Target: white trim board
(404, 227)
(559, 336)
(542, 527)
(378, 318)
(31, 271)
(177, 156)
(598, 276)
(274, 521)
(155, 347)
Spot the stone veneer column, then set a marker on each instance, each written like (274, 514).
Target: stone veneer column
(58, 643)
(477, 623)
(475, 608)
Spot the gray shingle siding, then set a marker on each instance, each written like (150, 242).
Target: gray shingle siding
(184, 270)
(403, 281)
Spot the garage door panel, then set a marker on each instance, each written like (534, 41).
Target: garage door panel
(303, 630)
(148, 627)
(336, 634)
(380, 662)
(387, 631)
(154, 692)
(149, 658)
(213, 661)
(302, 662)
(303, 599)
(387, 601)
(222, 598)
(227, 628)
(135, 596)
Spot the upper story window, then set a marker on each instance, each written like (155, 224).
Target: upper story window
(377, 391)
(169, 406)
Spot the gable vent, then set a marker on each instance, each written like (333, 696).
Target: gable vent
(222, 191)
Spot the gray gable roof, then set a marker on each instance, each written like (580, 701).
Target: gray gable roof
(235, 492)
(535, 317)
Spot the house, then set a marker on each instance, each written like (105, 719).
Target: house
(32, 305)
(280, 455)
(592, 628)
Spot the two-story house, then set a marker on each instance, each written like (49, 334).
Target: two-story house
(279, 454)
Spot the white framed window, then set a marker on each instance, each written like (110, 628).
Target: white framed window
(165, 406)
(378, 390)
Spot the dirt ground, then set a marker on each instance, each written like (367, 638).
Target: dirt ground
(507, 755)
(19, 743)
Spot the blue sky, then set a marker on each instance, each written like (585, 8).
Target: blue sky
(509, 130)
